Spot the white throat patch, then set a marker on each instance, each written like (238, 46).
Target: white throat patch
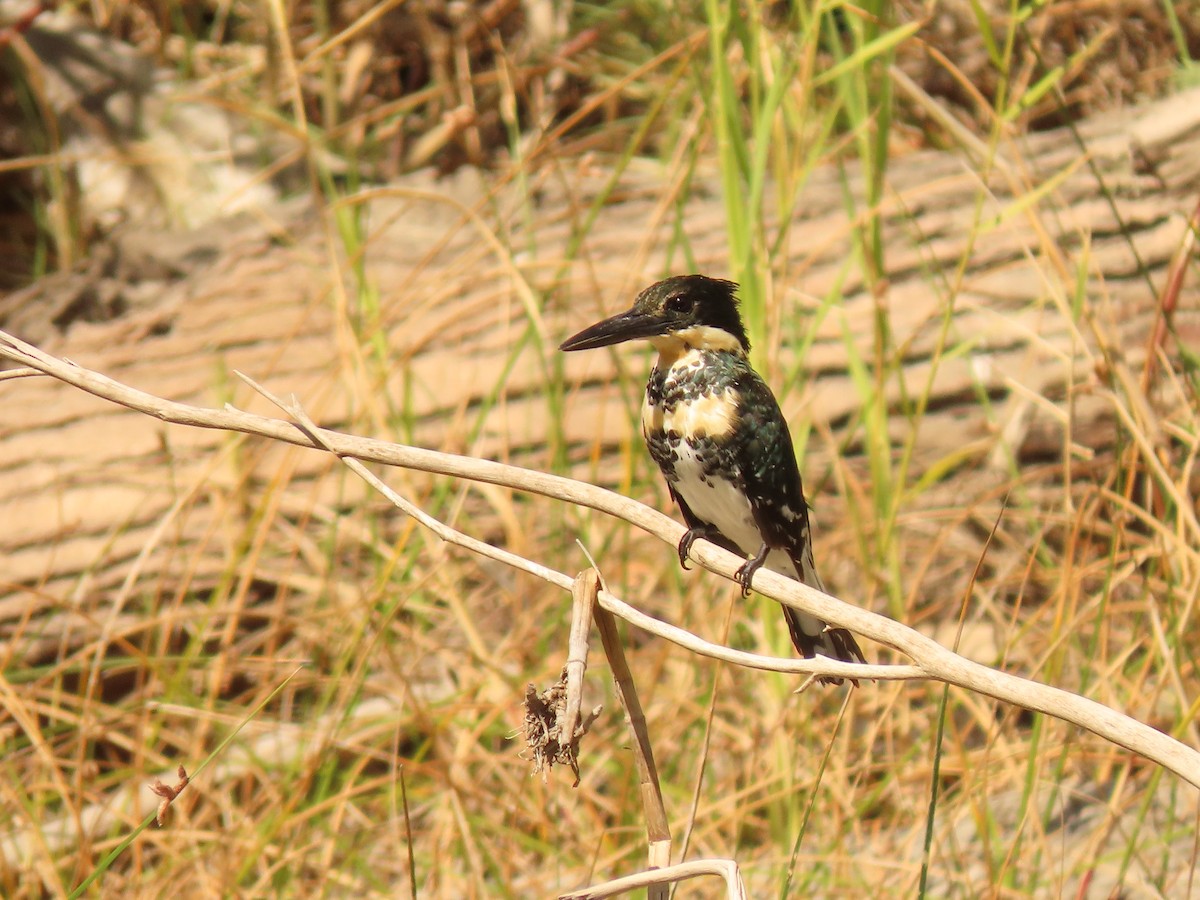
(699, 337)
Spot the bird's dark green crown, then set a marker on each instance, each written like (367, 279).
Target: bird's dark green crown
(681, 304)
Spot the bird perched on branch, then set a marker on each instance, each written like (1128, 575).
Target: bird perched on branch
(717, 434)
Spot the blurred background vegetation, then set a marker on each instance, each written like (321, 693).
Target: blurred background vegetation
(371, 90)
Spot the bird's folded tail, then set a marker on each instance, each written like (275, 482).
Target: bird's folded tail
(809, 634)
(812, 636)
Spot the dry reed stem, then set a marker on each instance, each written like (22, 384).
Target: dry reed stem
(658, 828)
(931, 660)
(583, 605)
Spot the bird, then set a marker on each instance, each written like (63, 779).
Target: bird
(718, 436)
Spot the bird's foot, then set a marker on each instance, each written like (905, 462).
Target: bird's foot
(743, 575)
(690, 537)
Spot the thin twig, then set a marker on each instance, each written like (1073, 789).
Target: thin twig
(726, 868)
(23, 372)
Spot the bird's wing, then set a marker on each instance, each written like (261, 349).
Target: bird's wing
(772, 478)
(776, 494)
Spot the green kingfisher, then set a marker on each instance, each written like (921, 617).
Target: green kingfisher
(720, 439)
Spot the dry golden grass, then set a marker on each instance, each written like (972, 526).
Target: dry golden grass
(352, 687)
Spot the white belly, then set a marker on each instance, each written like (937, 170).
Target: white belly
(717, 502)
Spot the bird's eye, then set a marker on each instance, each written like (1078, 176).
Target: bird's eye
(681, 303)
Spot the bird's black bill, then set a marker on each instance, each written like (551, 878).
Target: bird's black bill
(626, 326)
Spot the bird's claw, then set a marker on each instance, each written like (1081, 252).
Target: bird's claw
(685, 544)
(744, 574)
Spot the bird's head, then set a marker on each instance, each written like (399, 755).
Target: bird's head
(683, 311)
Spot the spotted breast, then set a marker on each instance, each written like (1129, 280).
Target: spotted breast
(689, 419)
